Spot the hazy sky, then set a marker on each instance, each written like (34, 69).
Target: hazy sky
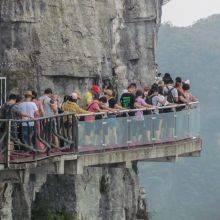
(186, 12)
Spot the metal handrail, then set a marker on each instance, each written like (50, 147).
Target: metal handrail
(139, 109)
(66, 132)
(101, 113)
(37, 119)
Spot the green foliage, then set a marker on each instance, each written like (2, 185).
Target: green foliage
(43, 212)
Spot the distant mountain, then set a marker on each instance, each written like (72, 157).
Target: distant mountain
(189, 189)
(194, 52)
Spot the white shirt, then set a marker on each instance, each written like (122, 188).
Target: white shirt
(28, 108)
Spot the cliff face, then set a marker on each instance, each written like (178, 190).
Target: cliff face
(98, 194)
(66, 44)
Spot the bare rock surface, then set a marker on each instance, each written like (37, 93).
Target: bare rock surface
(66, 44)
(108, 193)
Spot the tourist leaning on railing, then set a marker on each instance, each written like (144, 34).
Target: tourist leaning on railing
(71, 105)
(140, 115)
(50, 105)
(171, 92)
(163, 93)
(100, 115)
(142, 103)
(91, 128)
(127, 99)
(87, 98)
(187, 94)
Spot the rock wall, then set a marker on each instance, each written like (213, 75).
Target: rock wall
(99, 194)
(68, 44)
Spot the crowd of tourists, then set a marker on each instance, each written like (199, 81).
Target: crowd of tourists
(164, 92)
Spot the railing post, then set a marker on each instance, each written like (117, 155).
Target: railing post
(153, 136)
(104, 135)
(75, 134)
(175, 124)
(129, 140)
(8, 144)
(188, 122)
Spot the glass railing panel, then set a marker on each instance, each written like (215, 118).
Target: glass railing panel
(129, 131)
(106, 133)
(117, 132)
(91, 135)
(137, 129)
(194, 122)
(148, 129)
(182, 124)
(163, 127)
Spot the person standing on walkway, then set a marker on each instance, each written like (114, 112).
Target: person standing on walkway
(72, 106)
(6, 109)
(28, 108)
(40, 112)
(49, 105)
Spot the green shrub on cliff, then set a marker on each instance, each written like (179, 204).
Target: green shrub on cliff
(44, 212)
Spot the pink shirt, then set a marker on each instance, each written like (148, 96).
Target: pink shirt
(93, 107)
(139, 114)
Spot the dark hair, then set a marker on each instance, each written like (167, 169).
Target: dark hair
(96, 96)
(66, 98)
(166, 78)
(154, 88)
(103, 99)
(170, 81)
(139, 93)
(18, 98)
(186, 86)
(178, 79)
(34, 94)
(160, 90)
(48, 91)
(12, 97)
(132, 85)
(167, 75)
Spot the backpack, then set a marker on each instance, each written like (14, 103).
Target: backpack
(6, 111)
(170, 97)
(149, 100)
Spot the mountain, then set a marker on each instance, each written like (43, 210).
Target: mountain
(189, 189)
(194, 52)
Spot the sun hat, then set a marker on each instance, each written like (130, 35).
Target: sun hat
(28, 93)
(74, 95)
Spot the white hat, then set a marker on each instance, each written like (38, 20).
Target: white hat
(74, 95)
(187, 81)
